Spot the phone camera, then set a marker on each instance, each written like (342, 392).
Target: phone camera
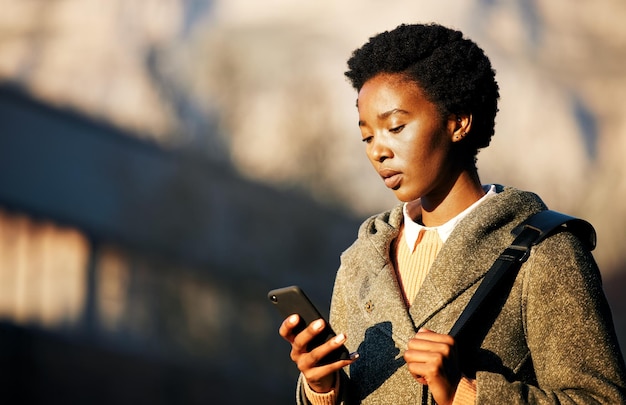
(274, 298)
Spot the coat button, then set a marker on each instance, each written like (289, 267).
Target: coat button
(369, 306)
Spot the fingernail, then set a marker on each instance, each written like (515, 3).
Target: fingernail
(354, 355)
(340, 338)
(293, 319)
(317, 325)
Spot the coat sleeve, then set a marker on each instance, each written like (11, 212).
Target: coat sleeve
(339, 324)
(569, 332)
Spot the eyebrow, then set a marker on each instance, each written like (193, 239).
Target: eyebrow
(386, 114)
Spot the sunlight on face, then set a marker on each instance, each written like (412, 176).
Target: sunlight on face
(407, 140)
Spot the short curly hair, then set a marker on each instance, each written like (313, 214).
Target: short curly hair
(453, 71)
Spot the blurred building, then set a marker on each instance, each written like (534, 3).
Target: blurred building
(131, 274)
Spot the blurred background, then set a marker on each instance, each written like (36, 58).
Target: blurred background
(164, 163)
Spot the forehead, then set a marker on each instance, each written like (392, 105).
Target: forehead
(389, 90)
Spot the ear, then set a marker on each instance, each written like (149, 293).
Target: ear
(462, 126)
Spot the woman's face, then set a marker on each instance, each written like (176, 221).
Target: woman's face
(407, 140)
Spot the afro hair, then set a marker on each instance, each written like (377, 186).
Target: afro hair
(453, 71)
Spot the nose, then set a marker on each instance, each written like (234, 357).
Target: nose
(379, 150)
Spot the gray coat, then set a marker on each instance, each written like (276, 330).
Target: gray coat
(552, 343)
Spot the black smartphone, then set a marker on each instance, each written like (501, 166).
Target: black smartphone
(292, 300)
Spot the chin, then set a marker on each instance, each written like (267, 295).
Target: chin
(404, 197)
(405, 194)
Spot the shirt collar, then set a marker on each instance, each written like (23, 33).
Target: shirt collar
(412, 229)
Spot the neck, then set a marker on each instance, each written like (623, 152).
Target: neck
(438, 208)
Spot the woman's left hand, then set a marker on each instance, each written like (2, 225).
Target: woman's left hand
(432, 360)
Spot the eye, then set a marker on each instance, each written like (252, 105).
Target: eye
(396, 130)
(367, 139)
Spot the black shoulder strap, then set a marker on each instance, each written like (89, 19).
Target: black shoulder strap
(527, 234)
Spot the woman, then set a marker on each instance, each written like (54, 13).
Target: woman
(427, 100)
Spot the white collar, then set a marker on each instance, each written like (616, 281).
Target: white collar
(412, 229)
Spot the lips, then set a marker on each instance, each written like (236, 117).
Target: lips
(391, 178)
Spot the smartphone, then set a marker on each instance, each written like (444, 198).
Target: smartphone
(292, 300)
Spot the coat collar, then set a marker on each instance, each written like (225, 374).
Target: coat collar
(381, 298)
(478, 240)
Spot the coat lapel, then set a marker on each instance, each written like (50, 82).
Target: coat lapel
(381, 300)
(459, 267)
(383, 305)
(445, 282)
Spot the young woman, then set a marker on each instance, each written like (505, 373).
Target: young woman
(427, 100)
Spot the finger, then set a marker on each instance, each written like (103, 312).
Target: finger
(311, 361)
(286, 329)
(320, 352)
(316, 375)
(426, 358)
(439, 381)
(423, 372)
(434, 336)
(434, 357)
(424, 350)
(426, 337)
(433, 367)
(303, 338)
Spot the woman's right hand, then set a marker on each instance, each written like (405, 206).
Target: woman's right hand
(320, 378)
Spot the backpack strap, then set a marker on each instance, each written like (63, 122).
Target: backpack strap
(549, 222)
(527, 234)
